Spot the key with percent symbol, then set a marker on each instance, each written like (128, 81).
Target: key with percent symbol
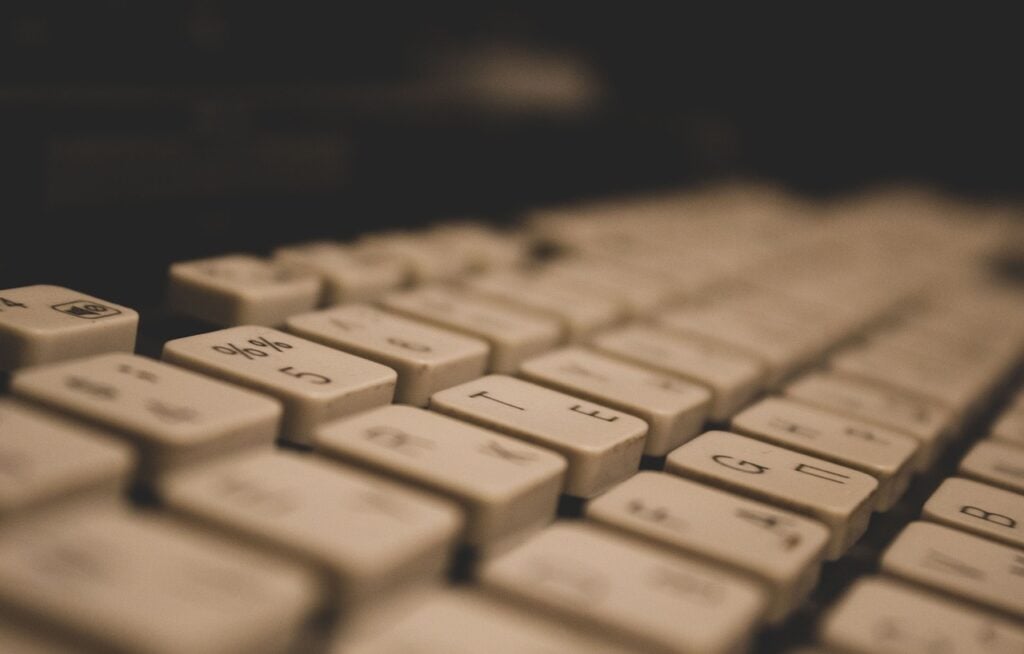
(315, 383)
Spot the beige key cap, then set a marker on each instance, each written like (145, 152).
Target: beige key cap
(1009, 426)
(348, 275)
(174, 416)
(426, 260)
(639, 292)
(733, 378)
(840, 497)
(480, 247)
(505, 485)
(882, 616)
(886, 455)
(426, 358)
(315, 383)
(239, 289)
(466, 622)
(979, 509)
(781, 549)
(44, 457)
(674, 409)
(44, 324)
(929, 422)
(629, 589)
(580, 314)
(371, 534)
(514, 336)
(965, 566)
(996, 463)
(603, 446)
(139, 583)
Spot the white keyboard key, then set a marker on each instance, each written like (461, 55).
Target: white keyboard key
(239, 289)
(929, 422)
(603, 446)
(348, 275)
(315, 383)
(997, 463)
(579, 313)
(886, 455)
(733, 378)
(840, 497)
(639, 292)
(44, 324)
(505, 485)
(139, 583)
(642, 594)
(881, 616)
(514, 336)
(957, 563)
(464, 622)
(174, 416)
(44, 457)
(427, 358)
(979, 509)
(779, 548)
(1009, 426)
(426, 260)
(674, 409)
(371, 534)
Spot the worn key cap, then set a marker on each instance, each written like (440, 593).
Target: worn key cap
(44, 457)
(239, 289)
(959, 564)
(629, 589)
(43, 324)
(733, 378)
(782, 549)
(514, 336)
(139, 583)
(505, 485)
(372, 534)
(603, 446)
(886, 455)
(673, 408)
(427, 358)
(315, 383)
(979, 509)
(840, 497)
(882, 616)
(997, 463)
(174, 416)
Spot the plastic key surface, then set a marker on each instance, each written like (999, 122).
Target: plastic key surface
(978, 508)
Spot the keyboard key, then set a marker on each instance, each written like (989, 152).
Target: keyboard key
(929, 422)
(427, 358)
(779, 548)
(639, 292)
(734, 379)
(979, 509)
(514, 336)
(880, 616)
(239, 289)
(465, 622)
(997, 463)
(425, 260)
(44, 324)
(315, 383)
(1009, 426)
(45, 457)
(348, 275)
(506, 486)
(628, 589)
(674, 409)
(479, 246)
(959, 564)
(391, 535)
(840, 497)
(138, 583)
(174, 416)
(886, 455)
(603, 446)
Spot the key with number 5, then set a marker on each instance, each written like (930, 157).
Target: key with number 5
(315, 383)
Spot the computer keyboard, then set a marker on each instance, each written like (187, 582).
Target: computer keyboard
(718, 420)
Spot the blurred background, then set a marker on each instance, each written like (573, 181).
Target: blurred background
(137, 133)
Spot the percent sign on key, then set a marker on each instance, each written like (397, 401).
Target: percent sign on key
(253, 352)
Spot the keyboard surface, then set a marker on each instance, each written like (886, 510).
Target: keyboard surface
(718, 420)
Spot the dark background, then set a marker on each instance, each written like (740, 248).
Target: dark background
(133, 134)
